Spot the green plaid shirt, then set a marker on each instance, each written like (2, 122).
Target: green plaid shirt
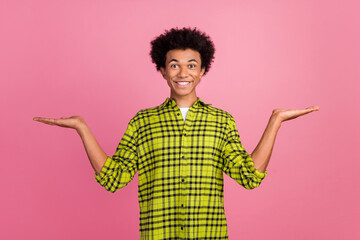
(181, 165)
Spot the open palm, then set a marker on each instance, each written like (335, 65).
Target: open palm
(288, 114)
(70, 122)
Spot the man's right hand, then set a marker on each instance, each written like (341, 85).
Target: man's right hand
(75, 122)
(95, 153)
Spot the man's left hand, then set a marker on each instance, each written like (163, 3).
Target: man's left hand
(282, 115)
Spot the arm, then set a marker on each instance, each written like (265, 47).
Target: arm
(237, 163)
(111, 173)
(93, 150)
(95, 153)
(262, 153)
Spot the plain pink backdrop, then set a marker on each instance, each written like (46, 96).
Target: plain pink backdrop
(91, 58)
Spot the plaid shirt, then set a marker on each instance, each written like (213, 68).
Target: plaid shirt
(181, 165)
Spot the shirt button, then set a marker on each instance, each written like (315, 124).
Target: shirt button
(183, 157)
(182, 205)
(183, 180)
(182, 228)
(178, 114)
(184, 134)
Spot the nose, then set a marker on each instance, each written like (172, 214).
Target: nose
(183, 72)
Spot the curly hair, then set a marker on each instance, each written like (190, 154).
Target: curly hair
(182, 39)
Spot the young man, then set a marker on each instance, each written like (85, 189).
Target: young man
(181, 148)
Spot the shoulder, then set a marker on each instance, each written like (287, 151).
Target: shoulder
(219, 112)
(146, 113)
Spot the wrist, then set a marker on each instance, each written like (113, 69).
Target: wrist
(275, 120)
(81, 128)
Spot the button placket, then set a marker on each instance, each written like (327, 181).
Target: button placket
(184, 163)
(185, 169)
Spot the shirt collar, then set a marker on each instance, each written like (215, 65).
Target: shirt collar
(171, 102)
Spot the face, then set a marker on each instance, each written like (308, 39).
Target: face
(182, 72)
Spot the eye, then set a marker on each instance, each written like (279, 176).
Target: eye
(192, 65)
(173, 65)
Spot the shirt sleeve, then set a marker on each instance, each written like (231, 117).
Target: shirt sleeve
(238, 164)
(119, 170)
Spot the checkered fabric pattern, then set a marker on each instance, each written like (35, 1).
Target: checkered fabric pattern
(180, 165)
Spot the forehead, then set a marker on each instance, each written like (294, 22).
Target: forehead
(185, 55)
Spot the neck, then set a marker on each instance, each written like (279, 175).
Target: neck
(184, 101)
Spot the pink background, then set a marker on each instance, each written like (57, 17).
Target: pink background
(91, 58)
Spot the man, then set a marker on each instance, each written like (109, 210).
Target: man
(181, 148)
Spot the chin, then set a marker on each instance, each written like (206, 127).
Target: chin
(183, 94)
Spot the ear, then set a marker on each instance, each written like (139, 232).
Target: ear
(162, 70)
(202, 71)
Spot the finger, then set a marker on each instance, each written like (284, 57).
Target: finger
(315, 108)
(307, 110)
(49, 121)
(311, 109)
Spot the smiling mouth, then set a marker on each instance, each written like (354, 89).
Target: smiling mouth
(182, 83)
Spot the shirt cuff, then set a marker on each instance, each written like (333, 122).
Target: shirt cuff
(257, 173)
(104, 170)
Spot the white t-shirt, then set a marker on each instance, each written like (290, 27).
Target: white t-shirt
(184, 112)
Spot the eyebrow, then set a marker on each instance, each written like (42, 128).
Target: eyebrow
(175, 60)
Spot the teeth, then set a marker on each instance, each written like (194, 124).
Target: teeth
(183, 83)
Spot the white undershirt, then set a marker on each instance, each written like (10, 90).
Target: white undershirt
(184, 112)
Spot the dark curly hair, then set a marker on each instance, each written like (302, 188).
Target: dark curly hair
(182, 39)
